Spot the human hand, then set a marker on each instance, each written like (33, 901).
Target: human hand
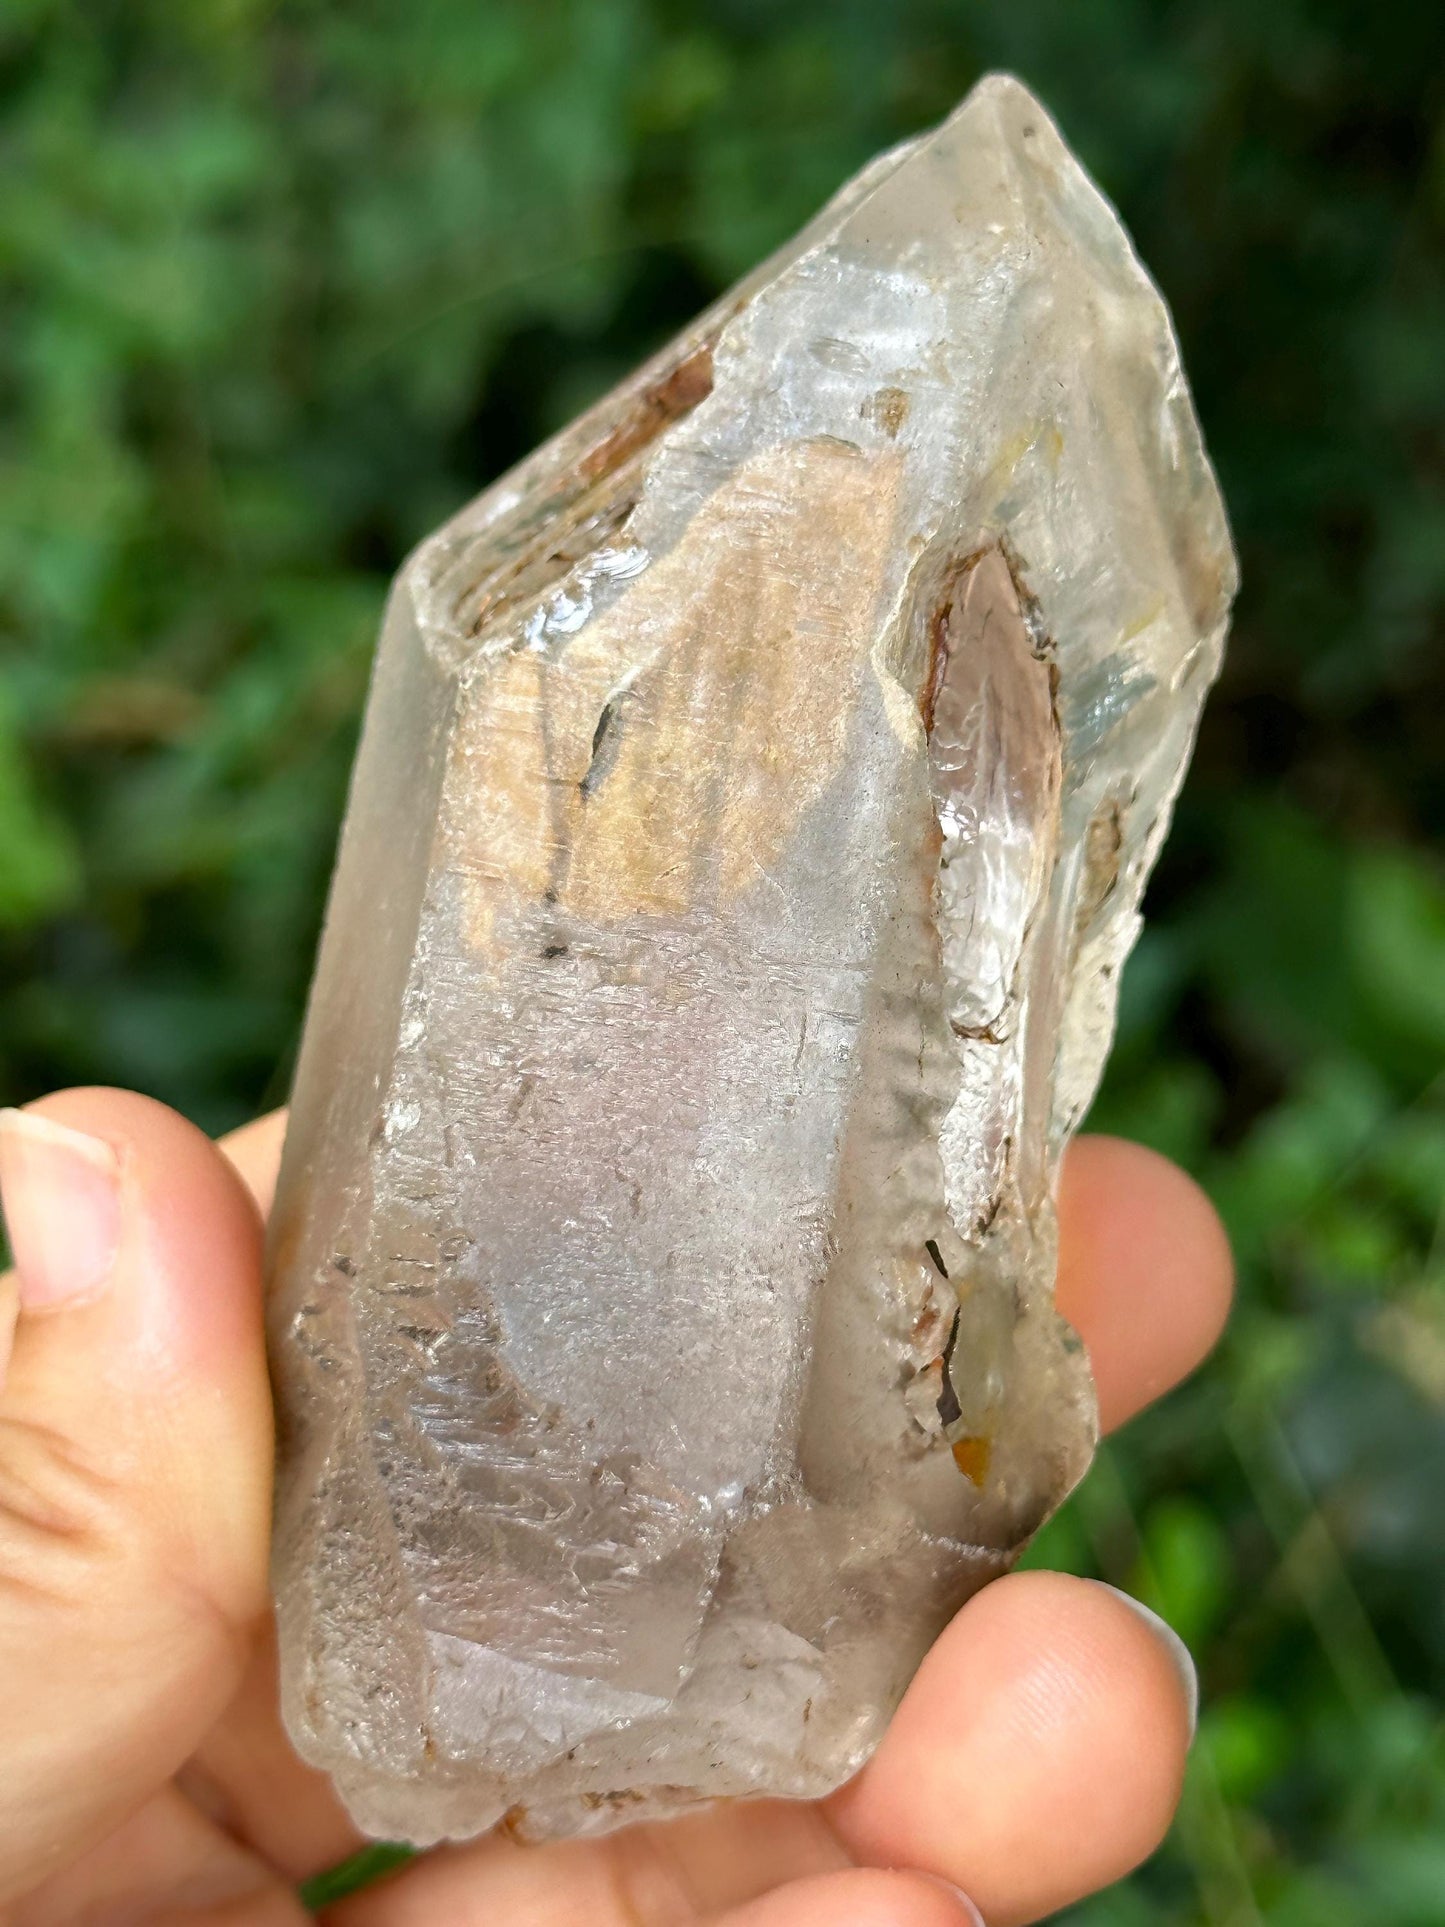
(144, 1772)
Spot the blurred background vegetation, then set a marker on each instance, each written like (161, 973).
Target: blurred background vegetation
(282, 284)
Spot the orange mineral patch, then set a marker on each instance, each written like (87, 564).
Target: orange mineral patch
(972, 1457)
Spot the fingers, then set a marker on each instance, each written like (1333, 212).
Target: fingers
(246, 1771)
(1037, 1756)
(167, 1862)
(1145, 1274)
(862, 1899)
(134, 1462)
(656, 1875)
(134, 1467)
(607, 1884)
(9, 1312)
(255, 1154)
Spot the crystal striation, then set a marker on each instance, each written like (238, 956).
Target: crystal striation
(756, 794)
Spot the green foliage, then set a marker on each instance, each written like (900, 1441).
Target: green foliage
(284, 281)
(39, 868)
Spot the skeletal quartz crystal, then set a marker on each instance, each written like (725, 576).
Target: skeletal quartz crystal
(755, 799)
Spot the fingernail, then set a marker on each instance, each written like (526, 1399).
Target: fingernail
(971, 1913)
(60, 1190)
(1172, 1644)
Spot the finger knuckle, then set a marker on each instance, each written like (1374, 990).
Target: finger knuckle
(63, 1519)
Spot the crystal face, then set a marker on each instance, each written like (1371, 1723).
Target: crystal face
(755, 799)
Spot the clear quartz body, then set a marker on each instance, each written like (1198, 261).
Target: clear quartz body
(755, 800)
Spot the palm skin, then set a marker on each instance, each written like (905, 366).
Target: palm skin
(144, 1774)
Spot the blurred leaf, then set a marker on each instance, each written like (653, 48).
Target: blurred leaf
(39, 862)
(1397, 931)
(1248, 1742)
(1184, 1572)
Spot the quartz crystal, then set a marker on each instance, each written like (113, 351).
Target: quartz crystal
(755, 798)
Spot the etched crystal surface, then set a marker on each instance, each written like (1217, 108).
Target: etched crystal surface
(755, 799)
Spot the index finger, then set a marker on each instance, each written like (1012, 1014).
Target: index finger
(1145, 1272)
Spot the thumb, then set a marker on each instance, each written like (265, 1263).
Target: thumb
(135, 1459)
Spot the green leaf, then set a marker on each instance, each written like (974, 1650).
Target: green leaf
(352, 1875)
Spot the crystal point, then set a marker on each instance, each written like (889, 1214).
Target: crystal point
(756, 795)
